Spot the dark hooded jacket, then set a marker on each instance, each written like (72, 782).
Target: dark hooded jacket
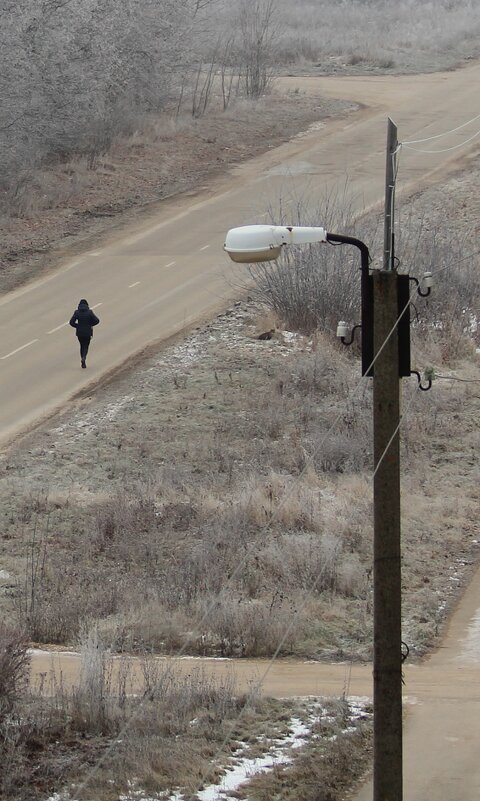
(83, 319)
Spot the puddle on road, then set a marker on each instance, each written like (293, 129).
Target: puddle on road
(470, 646)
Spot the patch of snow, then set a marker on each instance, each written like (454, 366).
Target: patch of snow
(4, 574)
(89, 422)
(53, 654)
(357, 704)
(290, 336)
(62, 797)
(247, 768)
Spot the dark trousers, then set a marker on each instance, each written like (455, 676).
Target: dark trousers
(84, 345)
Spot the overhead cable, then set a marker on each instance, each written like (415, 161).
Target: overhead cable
(445, 133)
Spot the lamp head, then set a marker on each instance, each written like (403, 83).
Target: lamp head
(254, 243)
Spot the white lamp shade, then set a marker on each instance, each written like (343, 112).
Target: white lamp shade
(252, 243)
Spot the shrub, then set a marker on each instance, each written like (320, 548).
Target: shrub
(327, 32)
(311, 288)
(249, 628)
(446, 320)
(14, 667)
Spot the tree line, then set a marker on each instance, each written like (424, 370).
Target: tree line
(74, 73)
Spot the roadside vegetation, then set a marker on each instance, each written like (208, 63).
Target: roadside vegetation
(119, 734)
(404, 36)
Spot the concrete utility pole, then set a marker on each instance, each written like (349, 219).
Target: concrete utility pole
(387, 666)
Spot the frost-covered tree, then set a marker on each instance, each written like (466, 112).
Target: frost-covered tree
(73, 72)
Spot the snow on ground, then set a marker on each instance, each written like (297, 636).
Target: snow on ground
(280, 753)
(244, 768)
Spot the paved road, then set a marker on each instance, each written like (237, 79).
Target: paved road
(156, 278)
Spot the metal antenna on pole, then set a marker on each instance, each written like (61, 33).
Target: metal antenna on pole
(390, 178)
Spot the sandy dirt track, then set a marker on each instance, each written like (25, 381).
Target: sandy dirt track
(159, 277)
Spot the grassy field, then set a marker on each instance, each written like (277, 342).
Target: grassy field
(378, 35)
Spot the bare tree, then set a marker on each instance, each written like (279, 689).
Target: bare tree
(230, 74)
(73, 74)
(14, 667)
(258, 32)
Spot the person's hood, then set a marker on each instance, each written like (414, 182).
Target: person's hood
(83, 304)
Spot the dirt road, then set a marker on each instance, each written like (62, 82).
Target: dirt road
(157, 278)
(442, 729)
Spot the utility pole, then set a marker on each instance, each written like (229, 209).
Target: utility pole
(387, 664)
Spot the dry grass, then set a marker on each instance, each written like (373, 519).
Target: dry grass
(112, 726)
(378, 35)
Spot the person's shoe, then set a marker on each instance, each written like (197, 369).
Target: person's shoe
(84, 363)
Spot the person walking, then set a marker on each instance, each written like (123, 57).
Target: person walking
(83, 319)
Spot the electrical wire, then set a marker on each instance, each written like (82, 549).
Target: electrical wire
(445, 149)
(397, 429)
(446, 133)
(456, 378)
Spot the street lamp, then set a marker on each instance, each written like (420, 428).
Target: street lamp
(385, 356)
(256, 243)
(252, 243)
